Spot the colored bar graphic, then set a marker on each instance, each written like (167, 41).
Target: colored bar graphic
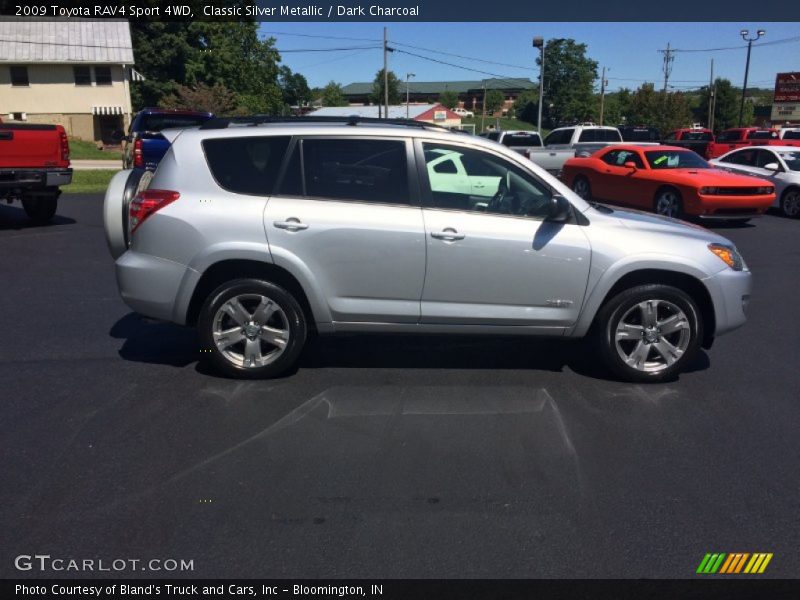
(741, 562)
(734, 563)
(765, 563)
(727, 564)
(703, 563)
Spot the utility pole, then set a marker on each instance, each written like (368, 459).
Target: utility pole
(603, 84)
(483, 105)
(710, 119)
(669, 57)
(745, 36)
(385, 73)
(408, 76)
(538, 42)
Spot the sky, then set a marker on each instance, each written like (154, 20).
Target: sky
(629, 51)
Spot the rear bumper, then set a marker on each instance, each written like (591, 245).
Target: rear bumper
(33, 178)
(149, 285)
(730, 293)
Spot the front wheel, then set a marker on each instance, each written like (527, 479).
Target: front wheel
(581, 187)
(649, 332)
(40, 207)
(252, 329)
(790, 203)
(668, 203)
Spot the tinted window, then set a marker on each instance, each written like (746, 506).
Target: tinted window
(563, 136)
(791, 135)
(675, 159)
(762, 135)
(246, 165)
(792, 160)
(483, 183)
(356, 169)
(671, 136)
(765, 157)
(159, 122)
(494, 136)
(639, 134)
(83, 75)
(588, 135)
(618, 158)
(743, 157)
(515, 140)
(19, 76)
(102, 75)
(728, 136)
(608, 135)
(698, 136)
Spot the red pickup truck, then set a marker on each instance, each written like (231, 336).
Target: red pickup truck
(34, 162)
(730, 139)
(694, 138)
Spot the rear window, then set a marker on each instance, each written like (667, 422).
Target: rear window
(791, 135)
(600, 135)
(639, 134)
(762, 135)
(697, 136)
(159, 122)
(246, 165)
(515, 140)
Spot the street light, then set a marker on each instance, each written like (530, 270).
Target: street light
(538, 42)
(408, 76)
(746, 37)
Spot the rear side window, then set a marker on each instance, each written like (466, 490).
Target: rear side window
(366, 170)
(246, 165)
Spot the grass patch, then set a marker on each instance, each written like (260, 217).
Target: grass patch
(79, 149)
(89, 182)
(505, 123)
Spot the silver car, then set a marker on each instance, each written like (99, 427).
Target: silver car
(263, 234)
(780, 165)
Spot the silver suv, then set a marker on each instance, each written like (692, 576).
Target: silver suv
(264, 233)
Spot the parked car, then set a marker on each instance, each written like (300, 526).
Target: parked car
(780, 165)
(463, 112)
(630, 133)
(670, 181)
(694, 138)
(529, 144)
(582, 138)
(789, 133)
(34, 163)
(261, 235)
(145, 146)
(739, 137)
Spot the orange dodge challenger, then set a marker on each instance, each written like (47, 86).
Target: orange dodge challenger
(670, 181)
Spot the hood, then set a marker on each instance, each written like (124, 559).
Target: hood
(643, 222)
(717, 178)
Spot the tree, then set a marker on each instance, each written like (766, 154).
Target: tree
(294, 87)
(377, 96)
(217, 99)
(726, 107)
(448, 99)
(332, 95)
(526, 106)
(664, 110)
(494, 101)
(569, 77)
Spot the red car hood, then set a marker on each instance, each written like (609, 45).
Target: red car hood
(717, 178)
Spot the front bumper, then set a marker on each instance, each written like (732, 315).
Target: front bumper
(730, 294)
(148, 284)
(730, 207)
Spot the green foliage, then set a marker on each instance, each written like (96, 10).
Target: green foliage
(448, 98)
(569, 77)
(726, 108)
(332, 95)
(294, 86)
(664, 110)
(526, 107)
(212, 98)
(494, 101)
(377, 95)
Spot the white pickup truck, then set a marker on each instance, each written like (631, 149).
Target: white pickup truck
(529, 144)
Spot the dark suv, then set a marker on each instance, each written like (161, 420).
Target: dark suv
(144, 146)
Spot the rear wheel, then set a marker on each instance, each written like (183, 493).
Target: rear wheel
(790, 203)
(668, 203)
(41, 207)
(649, 332)
(251, 328)
(581, 187)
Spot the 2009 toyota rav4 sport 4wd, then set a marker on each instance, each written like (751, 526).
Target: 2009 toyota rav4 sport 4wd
(262, 234)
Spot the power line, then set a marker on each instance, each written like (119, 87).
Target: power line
(504, 78)
(335, 58)
(742, 47)
(491, 62)
(328, 49)
(326, 37)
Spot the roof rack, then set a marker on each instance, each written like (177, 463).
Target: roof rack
(353, 120)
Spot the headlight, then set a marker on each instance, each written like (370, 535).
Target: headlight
(708, 191)
(729, 255)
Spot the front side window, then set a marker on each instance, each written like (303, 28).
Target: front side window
(765, 157)
(19, 76)
(559, 137)
(743, 157)
(675, 159)
(363, 170)
(246, 165)
(482, 182)
(102, 75)
(83, 75)
(618, 158)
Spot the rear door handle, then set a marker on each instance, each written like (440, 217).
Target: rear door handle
(290, 224)
(448, 234)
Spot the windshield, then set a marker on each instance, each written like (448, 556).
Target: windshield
(675, 159)
(513, 140)
(792, 160)
(159, 122)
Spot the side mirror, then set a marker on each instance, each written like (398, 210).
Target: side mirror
(773, 166)
(630, 165)
(560, 210)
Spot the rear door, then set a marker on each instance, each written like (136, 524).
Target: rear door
(346, 213)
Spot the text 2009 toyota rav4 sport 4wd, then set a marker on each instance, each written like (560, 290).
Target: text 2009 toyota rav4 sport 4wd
(261, 234)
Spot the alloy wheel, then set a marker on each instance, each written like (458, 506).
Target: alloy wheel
(251, 330)
(790, 204)
(652, 335)
(668, 204)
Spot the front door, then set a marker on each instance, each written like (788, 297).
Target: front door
(496, 261)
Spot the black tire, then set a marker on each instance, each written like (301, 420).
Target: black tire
(790, 203)
(625, 303)
(675, 200)
(579, 181)
(41, 207)
(290, 317)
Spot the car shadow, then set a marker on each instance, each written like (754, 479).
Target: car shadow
(714, 224)
(161, 343)
(14, 218)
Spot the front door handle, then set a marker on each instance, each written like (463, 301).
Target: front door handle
(290, 224)
(448, 234)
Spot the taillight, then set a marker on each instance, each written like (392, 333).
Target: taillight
(138, 158)
(147, 203)
(64, 146)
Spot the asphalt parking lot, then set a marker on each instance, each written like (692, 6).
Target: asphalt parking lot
(385, 456)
